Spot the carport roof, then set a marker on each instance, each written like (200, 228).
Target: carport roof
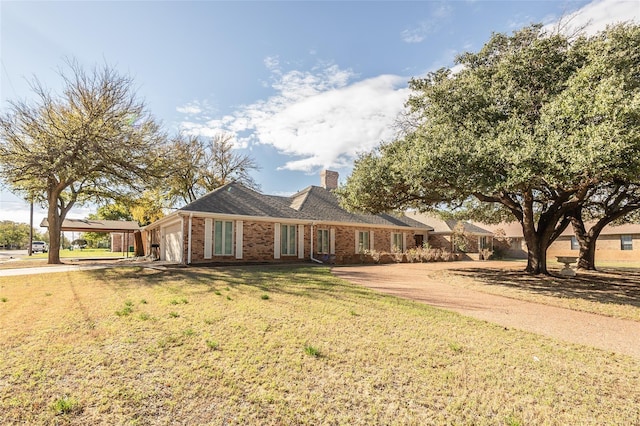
(91, 225)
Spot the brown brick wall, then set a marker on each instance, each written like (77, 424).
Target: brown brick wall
(440, 241)
(117, 241)
(346, 245)
(258, 240)
(197, 238)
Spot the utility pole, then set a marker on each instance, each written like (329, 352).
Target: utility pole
(30, 248)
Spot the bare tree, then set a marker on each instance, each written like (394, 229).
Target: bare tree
(93, 141)
(200, 166)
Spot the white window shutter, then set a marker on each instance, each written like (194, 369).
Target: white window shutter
(239, 237)
(276, 241)
(332, 241)
(404, 241)
(208, 237)
(301, 241)
(371, 240)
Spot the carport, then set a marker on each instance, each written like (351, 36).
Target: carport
(125, 228)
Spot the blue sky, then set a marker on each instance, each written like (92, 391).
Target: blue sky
(303, 86)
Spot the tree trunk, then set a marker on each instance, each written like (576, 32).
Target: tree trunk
(536, 249)
(587, 255)
(586, 239)
(55, 224)
(55, 216)
(536, 255)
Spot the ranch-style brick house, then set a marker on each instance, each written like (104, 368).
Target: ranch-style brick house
(234, 224)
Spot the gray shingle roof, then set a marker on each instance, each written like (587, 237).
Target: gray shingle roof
(312, 203)
(441, 226)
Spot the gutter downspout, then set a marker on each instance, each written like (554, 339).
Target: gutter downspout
(189, 240)
(311, 254)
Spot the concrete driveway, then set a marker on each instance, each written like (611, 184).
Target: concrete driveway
(424, 282)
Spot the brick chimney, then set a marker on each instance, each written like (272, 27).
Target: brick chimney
(329, 179)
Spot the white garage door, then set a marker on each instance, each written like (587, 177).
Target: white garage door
(172, 243)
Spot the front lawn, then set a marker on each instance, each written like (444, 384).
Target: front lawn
(281, 345)
(81, 254)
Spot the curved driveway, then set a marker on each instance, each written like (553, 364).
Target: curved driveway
(416, 281)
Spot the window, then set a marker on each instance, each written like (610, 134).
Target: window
(574, 243)
(363, 241)
(483, 243)
(626, 242)
(288, 240)
(397, 241)
(323, 241)
(223, 238)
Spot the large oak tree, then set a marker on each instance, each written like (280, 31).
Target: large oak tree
(502, 130)
(93, 141)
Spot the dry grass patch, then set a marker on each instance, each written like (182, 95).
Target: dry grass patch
(318, 350)
(611, 291)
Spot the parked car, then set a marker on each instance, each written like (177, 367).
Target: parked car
(39, 246)
(79, 244)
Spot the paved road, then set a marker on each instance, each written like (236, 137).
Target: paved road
(7, 254)
(50, 269)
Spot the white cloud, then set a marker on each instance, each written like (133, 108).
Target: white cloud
(328, 128)
(189, 109)
(319, 117)
(596, 15)
(418, 33)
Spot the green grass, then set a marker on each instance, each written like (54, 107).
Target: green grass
(243, 361)
(80, 254)
(67, 256)
(312, 351)
(64, 405)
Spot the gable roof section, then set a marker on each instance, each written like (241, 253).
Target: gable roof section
(317, 203)
(313, 203)
(236, 199)
(441, 226)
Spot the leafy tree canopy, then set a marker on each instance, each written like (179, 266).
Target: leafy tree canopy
(16, 235)
(530, 124)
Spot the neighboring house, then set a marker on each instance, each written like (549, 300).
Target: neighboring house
(236, 224)
(473, 237)
(614, 243)
(508, 239)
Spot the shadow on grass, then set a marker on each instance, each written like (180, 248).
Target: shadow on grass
(617, 286)
(294, 279)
